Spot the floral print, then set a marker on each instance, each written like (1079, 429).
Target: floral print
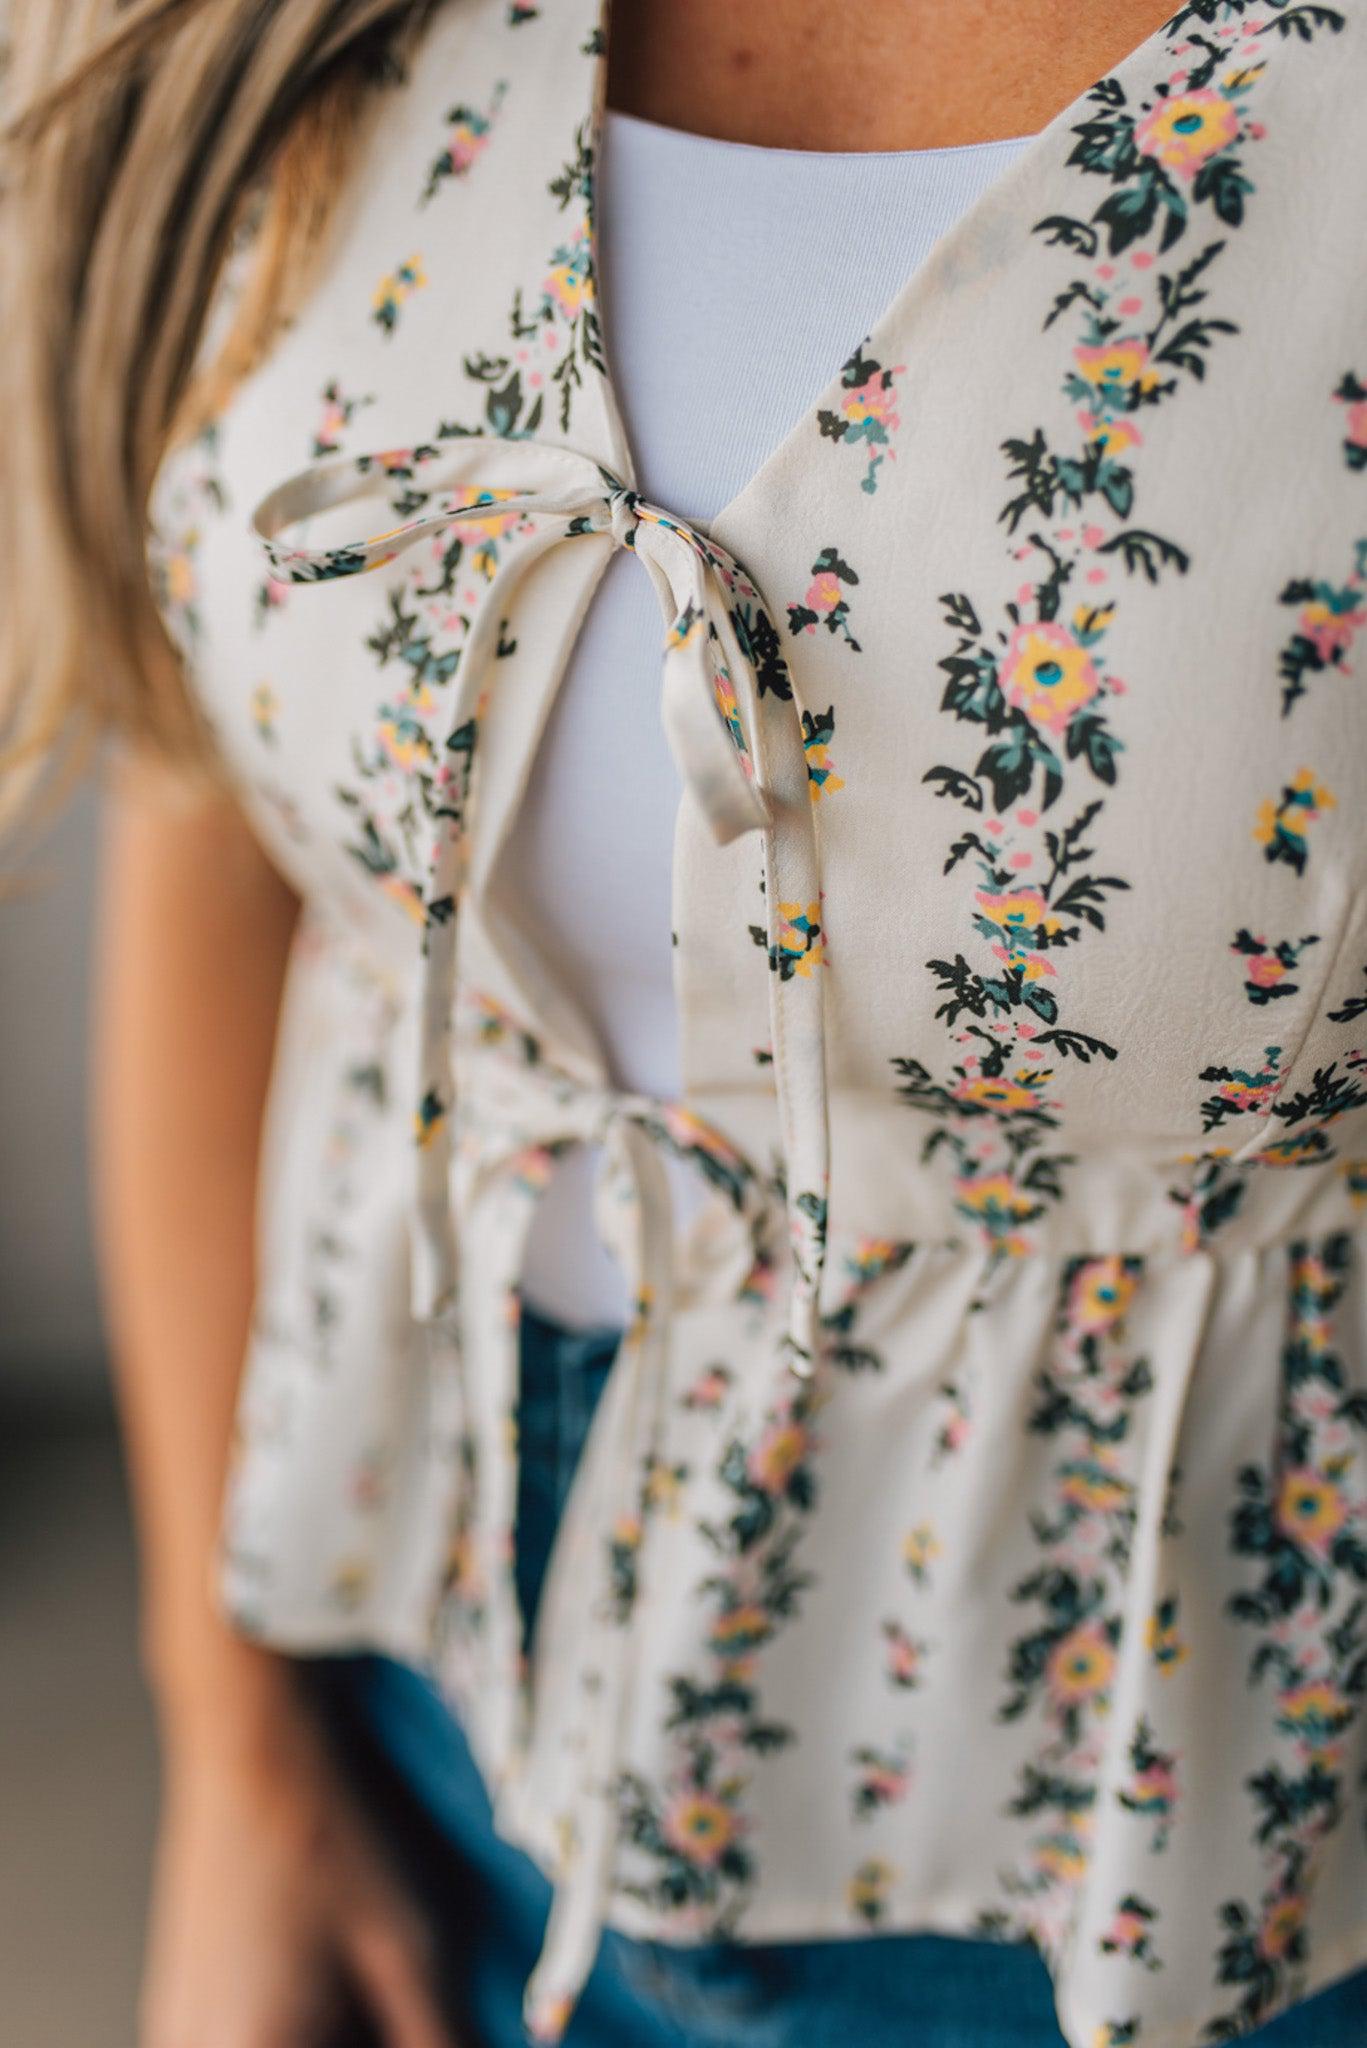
(394, 290)
(1301, 1522)
(1005, 1400)
(468, 133)
(1329, 615)
(824, 602)
(867, 416)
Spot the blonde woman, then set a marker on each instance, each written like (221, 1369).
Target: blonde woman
(729, 1110)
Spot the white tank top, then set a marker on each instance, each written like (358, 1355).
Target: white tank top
(812, 245)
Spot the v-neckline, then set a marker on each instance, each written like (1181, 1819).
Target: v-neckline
(1016, 179)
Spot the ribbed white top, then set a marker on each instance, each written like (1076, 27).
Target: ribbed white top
(734, 280)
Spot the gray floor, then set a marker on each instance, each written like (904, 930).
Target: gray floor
(77, 1768)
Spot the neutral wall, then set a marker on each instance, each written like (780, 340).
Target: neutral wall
(50, 1337)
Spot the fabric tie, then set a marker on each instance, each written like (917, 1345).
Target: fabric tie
(736, 730)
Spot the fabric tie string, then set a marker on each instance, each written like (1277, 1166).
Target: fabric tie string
(735, 728)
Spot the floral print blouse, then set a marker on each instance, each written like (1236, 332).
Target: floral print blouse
(974, 1532)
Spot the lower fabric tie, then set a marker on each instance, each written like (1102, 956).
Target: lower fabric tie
(583, 1889)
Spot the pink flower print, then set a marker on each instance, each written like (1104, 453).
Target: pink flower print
(1329, 630)
(1047, 675)
(568, 284)
(1265, 970)
(392, 292)
(884, 1779)
(1317, 1713)
(1081, 1666)
(1183, 131)
(1129, 1929)
(873, 400)
(709, 1390)
(1000, 1092)
(699, 1827)
(1100, 1294)
(904, 1656)
(467, 138)
(778, 1455)
(823, 594)
(1283, 1920)
(740, 1629)
(1118, 365)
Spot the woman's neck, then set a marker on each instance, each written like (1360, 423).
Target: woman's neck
(905, 74)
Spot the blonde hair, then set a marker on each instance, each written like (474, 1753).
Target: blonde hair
(143, 141)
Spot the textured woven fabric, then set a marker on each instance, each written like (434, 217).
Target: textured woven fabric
(973, 1534)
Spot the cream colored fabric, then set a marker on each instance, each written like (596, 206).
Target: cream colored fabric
(974, 1534)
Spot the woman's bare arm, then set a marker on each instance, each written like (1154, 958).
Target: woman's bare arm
(194, 931)
(273, 1907)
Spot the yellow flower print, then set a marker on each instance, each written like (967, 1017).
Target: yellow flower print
(1121, 365)
(1312, 1275)
(491, 528)
(995, 1192)
(406, 894)
(1280, 822)
(1161, 1638)
(402, 742)
(392, 292)
(920, 1548)
(1092, 620)
(1306, 785)
(1310, 1508)
(640, 1314)
(822, 779)
(777, 1455)
(699, 1827)
(1281, 1926)
(685, 626)
(872, 400)
(1292, 1151)
(1316, 1700)
(569, 282)
(464, 1578)
(800, 945)
(427, 1119)
(995, 1093)
(265, 705)
(1090, 1485)
(1081, 1665)
(1117, 437)
(1047, 675)
(664, 1484)
(350, 1582)
(1101, 1293)
(743, 1628)
(1187, 128)
(1021, 912)
(1061, 1858)
(867, 1891)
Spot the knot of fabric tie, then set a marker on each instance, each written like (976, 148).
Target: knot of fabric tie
(735, 726)
(624, 506)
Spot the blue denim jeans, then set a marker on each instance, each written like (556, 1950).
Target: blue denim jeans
(490, 1901)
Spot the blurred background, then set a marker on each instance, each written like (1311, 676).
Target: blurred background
(77, 1770)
